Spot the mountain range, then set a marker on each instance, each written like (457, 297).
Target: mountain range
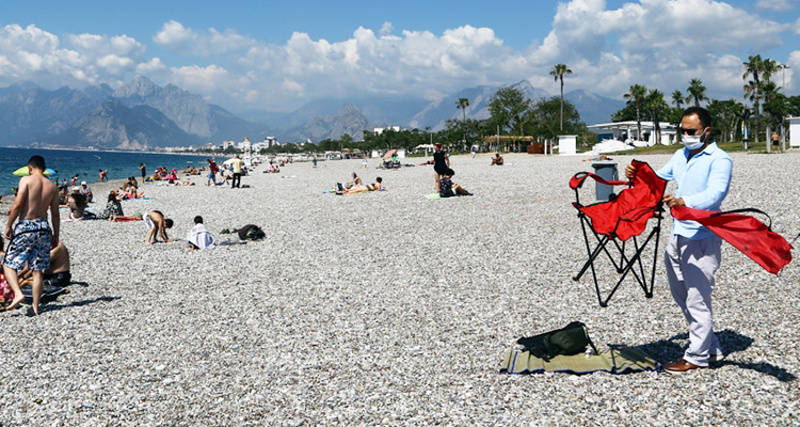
(142, 115)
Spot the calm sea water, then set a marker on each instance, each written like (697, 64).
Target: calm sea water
(86, 164)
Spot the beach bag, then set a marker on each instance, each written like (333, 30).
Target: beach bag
(571, 339)
(251, 232)
(6, 293)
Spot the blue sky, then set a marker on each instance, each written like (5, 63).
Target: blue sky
(276, 56)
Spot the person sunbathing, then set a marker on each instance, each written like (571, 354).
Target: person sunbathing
(57, 274)
(124, 218)
(76, 203)
(113, 207)
(375, 186)
(497, 160)
(353, 182)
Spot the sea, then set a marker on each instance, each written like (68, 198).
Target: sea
(67, 163)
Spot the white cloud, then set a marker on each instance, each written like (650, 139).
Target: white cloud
(658, 43)
(152, 66)
(174, 35)
(187, 42)
(776, 5)
(200, 79)
(386, 29)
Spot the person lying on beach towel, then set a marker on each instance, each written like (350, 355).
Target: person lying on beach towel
(123, 218)
(199, 237)
(360, 188)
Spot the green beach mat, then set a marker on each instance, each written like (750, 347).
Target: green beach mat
(616, 360)
(433, 196)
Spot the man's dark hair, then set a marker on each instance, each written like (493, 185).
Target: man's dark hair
(37, 162)
(198, 219)
(702, 114)
(169, 222)
(450, 172)
(379, 179)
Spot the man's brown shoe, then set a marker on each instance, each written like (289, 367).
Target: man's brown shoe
(681, 367)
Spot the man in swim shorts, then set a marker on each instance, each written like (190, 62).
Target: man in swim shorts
(30, 240)
(158, 224)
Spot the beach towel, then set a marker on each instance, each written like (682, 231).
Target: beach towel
(744, 232)
(49, 293)
(437, 196)
(200, 237)
(616, 360)
(125, 220)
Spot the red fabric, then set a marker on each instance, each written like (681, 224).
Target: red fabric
(744, 232)
(627, 215)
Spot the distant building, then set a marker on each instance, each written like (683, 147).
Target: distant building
(627, 131)
(228, 143)
(794, 132)
(244, 145)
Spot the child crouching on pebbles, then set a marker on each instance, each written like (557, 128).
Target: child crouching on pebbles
(199, 237)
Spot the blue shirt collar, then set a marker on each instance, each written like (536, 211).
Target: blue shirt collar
(710, 149)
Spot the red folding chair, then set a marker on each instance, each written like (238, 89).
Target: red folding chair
(616, 222)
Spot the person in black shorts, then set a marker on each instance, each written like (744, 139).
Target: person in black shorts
(144, 171)
(440, 162)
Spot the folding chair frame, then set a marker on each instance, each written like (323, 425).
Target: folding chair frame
(623, 263)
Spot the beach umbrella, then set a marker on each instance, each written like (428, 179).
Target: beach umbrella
(23, 171)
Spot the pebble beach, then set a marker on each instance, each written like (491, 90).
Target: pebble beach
(387, 308)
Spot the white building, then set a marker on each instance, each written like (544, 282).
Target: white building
(627, 132)
(794, 132)
(244, 145)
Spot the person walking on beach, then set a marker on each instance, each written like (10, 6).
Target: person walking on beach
(440, 162)
(692, 257)
(143, 168)
(31, 239)
(158, 224)
(212, 172)
(237, 172)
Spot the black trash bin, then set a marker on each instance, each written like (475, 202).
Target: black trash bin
(607, 171)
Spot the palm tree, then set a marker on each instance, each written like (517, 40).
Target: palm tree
(655, 101)
(696, 91)
(636, 95)
(558, 72)
(463, 103)
(753, 67)
(677, 98)
(769, 68)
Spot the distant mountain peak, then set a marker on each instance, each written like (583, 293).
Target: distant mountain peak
(140, 87)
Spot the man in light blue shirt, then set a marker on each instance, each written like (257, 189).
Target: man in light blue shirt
(703, 174)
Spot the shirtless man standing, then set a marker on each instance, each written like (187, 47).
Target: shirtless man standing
(31, 239)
